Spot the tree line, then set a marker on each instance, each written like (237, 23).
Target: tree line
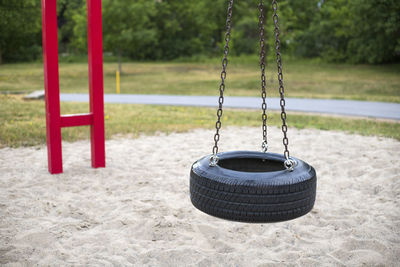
(355, 31)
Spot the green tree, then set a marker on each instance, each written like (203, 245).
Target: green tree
(186, 28)
(127, 28)
(66, 9)
(375, 31)
(245, 28)
(356, 31)
(20, 30)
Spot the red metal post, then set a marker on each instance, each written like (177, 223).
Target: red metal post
(51, 85)
(54, 121)
(76, 120)
(95, 53)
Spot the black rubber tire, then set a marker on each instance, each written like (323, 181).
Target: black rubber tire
(251, 186)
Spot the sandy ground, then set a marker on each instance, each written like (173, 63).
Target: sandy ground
(137, 210)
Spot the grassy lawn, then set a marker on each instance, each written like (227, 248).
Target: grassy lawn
(22, 123)
(302, 79)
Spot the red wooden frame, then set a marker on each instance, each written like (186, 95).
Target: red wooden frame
(54, 120)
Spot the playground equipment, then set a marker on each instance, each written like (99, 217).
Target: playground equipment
(95, 118)
(253, 186)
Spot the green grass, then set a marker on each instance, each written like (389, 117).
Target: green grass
(22, 123)
(303, 78)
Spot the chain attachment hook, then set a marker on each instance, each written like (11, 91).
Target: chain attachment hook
(289, 164)
(213, 161)
(264, 146)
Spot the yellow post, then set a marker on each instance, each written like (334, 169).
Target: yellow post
(118, 89)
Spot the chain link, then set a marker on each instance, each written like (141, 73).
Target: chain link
(214, 157)
(280, 78)
(264, 145)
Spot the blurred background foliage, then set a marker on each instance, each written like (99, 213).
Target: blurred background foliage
(354, 31)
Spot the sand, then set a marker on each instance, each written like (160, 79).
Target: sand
(137, 210)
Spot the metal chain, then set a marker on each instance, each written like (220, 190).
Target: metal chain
(214, 157)
(264, 145)
(289, 163)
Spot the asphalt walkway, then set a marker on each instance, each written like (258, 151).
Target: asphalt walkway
(381, 110)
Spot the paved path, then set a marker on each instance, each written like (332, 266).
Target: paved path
(327, 106)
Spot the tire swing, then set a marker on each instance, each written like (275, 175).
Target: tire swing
(251, 186)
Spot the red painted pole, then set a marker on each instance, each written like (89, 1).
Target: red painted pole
(54, 121)
(51, 85)
(95, 54)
